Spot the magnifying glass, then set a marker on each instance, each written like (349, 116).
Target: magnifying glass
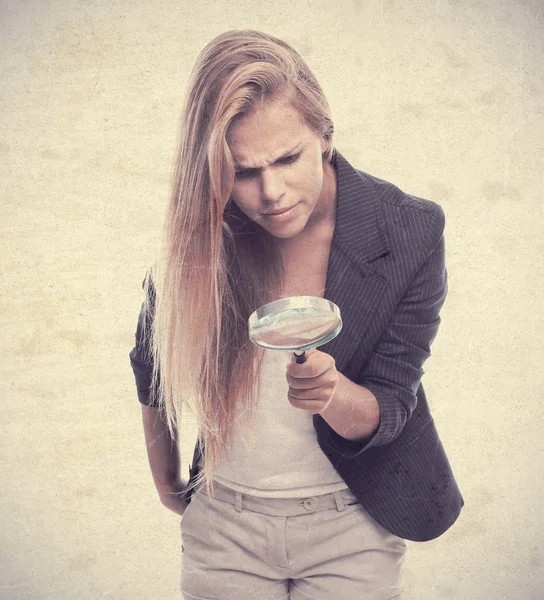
(295, 324)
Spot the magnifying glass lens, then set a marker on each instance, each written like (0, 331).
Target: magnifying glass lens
(297, 323)
(294, 327)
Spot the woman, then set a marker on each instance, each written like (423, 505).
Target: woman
(307, 478)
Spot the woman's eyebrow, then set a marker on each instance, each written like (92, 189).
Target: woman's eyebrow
(239, 166)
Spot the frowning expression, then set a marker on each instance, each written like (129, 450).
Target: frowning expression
(279, 168)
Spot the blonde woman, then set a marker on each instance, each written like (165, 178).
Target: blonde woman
(306, 478)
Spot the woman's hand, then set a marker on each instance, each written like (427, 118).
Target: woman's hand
(312, 384)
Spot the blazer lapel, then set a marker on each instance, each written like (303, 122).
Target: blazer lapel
(353, 282)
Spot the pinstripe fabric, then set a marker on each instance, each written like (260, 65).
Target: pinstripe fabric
(387, 274)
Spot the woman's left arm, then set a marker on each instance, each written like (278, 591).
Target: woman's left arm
(373, 411)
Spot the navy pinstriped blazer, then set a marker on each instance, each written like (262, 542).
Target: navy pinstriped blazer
(387, 274)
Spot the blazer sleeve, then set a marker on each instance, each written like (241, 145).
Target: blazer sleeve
(393, 371)
(141, 357)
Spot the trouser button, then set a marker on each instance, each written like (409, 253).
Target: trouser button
(309, 504)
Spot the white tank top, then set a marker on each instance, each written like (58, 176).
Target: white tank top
(281, 457)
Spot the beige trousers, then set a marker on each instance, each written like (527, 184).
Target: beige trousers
(240, 547)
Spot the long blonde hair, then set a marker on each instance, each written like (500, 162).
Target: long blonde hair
(217, 266)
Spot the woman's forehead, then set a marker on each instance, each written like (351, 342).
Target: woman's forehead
(268, 132)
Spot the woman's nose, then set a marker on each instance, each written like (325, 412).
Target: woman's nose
(272, 187)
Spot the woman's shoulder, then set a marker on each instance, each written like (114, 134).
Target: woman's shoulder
(405, 215)
(396, 206)
(398, 201)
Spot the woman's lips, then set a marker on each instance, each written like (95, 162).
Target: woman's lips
(280, 215)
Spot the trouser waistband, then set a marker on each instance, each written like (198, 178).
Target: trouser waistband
(281, 506)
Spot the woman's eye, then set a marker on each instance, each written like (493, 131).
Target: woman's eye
(289, 159)
(248, 173)
(243, 174)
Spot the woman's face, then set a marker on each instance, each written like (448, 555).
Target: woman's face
(279, 169)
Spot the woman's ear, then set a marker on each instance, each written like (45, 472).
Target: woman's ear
(325, 147)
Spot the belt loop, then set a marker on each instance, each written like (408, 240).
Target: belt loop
(340, 506)
(238, 502)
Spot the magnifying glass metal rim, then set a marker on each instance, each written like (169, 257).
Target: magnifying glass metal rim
(295, 302)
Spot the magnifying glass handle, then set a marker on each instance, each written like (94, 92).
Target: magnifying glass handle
(300, 357)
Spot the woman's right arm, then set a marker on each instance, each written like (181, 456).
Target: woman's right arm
(162, 449)
(163, 455)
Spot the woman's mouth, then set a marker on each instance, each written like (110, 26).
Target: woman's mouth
(282, 214)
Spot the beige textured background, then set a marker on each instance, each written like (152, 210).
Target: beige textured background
(443, 98)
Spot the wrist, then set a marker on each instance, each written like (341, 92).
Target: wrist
(171, 488)
(353, 412)
(173, 497)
